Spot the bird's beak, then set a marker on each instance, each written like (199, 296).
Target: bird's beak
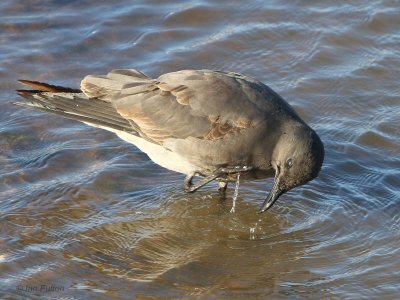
(273, 195)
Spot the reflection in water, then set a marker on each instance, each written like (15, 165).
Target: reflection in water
(83, 210)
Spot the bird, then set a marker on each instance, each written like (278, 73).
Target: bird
(210, 124)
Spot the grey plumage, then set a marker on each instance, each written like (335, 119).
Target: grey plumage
(174, 111)
(210, 119)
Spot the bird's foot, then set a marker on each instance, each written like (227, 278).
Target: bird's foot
(221, 174)
(190, 187)
(233, 170)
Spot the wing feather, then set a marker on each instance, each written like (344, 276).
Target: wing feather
(181, 104)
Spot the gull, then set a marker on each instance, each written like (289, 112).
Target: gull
(210, 124)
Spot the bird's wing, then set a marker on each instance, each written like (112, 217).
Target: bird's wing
(201, 104)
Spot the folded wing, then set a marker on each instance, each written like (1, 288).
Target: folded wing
(205, 105)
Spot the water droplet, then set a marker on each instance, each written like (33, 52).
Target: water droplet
(236, 193)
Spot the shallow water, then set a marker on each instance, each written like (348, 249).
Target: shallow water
(89, 215)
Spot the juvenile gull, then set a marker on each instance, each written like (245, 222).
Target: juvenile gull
(205, 123)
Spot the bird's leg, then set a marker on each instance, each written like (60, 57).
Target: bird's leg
(223, 181)
(220, 173)
(188, 185)
(188, 182)
(222, 185)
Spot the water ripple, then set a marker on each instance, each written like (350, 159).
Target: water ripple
(83, 209)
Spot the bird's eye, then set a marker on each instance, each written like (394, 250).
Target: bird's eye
(289, 163)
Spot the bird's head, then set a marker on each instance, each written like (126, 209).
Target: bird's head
(297, 159)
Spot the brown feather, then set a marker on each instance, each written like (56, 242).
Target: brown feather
(45, 87)
(220, 130)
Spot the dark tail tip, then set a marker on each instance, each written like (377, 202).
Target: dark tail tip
(45, 87)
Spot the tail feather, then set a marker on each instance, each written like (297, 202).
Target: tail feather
(74, 104)
(88, 120)
(78, 105)
(45, 87)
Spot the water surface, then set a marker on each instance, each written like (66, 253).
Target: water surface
(90, 215)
